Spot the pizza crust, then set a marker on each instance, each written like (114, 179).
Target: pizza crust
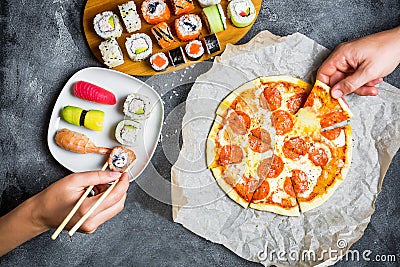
(276, 209)
(228, 189)
(211, 153)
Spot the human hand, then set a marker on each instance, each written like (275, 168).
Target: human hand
(359, 65)
(54, 203)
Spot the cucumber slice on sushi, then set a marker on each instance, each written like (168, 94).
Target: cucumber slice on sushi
(137, 107)
(126, 132)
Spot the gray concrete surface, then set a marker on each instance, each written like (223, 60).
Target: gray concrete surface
(42, 45)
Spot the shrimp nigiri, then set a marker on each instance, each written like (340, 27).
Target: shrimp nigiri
(77, 142)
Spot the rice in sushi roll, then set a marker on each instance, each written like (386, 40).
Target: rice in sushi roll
(176, 56)
(163, 35)
(182, 6)
(126, 132)
(139, 46)
(159, 61)
(215, 18)
(188, 27)
(211, 43)
(241, 12)
(111, 53)
(121, 159)
(130, 17)
(137, 107)
(155, 11)
(107, 25)
(194, 50)
(205, 3)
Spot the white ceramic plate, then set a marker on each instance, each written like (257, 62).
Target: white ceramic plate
(121, 85)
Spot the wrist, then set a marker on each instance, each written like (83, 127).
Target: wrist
(34, 213)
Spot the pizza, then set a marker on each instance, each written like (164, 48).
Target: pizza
(268, 148)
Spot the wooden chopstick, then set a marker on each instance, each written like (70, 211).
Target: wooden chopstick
(75, 208)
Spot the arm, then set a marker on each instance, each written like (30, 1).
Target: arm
(49, 208)
(359, 65)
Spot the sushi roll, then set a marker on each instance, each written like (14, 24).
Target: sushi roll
(155, 11)
(205, 3)
(176, 56)
(91, 119)
(188, 27)
(121, 159)
(211, 43)
(159, 61)
(130, 17)
(107, 25)
(137, 107)
(126, 132)
(241, 12)
(215, 18)
(182, 6)
(163, 35)
(194, 50)
(94, 93)
(111, 53)
(139, 46)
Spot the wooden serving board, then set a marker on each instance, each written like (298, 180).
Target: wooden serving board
(231, 35)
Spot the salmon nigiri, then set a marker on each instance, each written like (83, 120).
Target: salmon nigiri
(94, 93)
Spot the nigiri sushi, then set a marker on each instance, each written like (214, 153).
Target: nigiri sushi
(91, 119)
(155, 11)
(94, 93)
(121, 159)
(78, 143)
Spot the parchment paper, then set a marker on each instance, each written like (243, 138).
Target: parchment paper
(203, 208)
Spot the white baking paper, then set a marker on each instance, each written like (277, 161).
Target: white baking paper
(318, 237)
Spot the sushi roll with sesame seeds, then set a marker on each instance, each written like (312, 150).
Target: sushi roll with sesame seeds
(139, 46)
(176, 56)
(188, 27)
(130, 17)
(159, 61)
(137, 106)
(155, 11)
(111, 53)
(106, 25)
(194, 50)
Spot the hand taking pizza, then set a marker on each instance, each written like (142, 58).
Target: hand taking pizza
(359, 65)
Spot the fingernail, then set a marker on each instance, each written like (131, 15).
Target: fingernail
(337, 94)
(115, 174)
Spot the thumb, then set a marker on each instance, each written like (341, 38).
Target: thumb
(94, 178)
(351, 83)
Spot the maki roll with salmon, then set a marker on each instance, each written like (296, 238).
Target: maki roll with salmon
(241, 12)
(159, 61)
(137, 106)
(182, 6)
(205, 3)
(126, 132)
(194, 50)
(176, 56)
(163, 35)
(121, 159)
(211, 43)
(130, 17)
(188, 27)
(91, 119)
(111, 53)
(215, 18)
(155, 11)
(139, 46)
(106, 25)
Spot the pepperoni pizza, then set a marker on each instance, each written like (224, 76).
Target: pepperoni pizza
(267, 149)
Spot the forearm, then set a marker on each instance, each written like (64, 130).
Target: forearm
(17, 227)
